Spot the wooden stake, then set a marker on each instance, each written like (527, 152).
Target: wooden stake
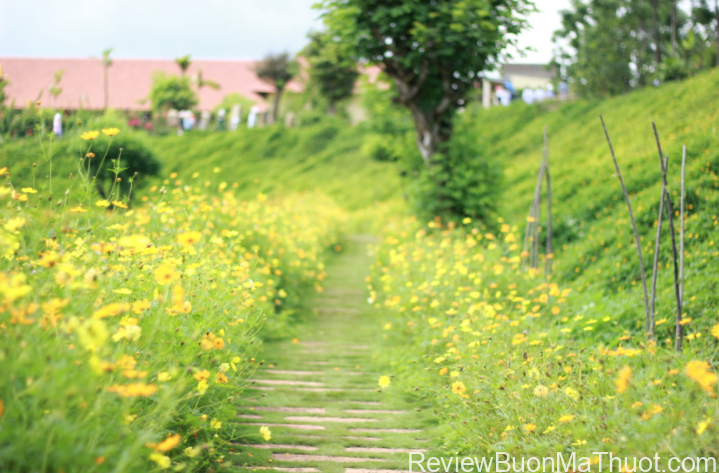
(678, 328)
(549, 256)
(681, 230)
(655, 267)
(631, 216)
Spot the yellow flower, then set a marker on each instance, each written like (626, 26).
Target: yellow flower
(443, 371)
(715, 330)
(458, 387)
(702, 426)
(265, 432)
(221, 378)
(133, 390)
(571, 393)
(162, 461)
(110, 131)
(192, 451)
(202, 386)
(139, 306)
(2, 408)
(165, 274)
(117, 203)
(541, 391)
(29, 190)
(78, 209)
(384, 381)
(201, 375)
(90, 135)
(123, 290)
(700, 372)
(566, 418)
(530, 427)
(102, 203)
(215, 424)
(625, 375)
(218, 344)
(189, 238)
(163, 376)
(168, 444)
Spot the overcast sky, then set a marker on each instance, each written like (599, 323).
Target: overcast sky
(206, 29)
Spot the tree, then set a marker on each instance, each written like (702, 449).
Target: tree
(609, 47)
(171, 92)
(434, 51)
(333, 72)
(106, 63)
(202, 82)
(184, 63)
(276, 70)
(702, 15)
(55, 89)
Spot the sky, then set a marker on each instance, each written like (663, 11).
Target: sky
(206, 29)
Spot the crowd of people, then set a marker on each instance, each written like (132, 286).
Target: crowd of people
(506, 93)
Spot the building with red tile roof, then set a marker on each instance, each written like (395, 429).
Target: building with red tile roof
(129, 82)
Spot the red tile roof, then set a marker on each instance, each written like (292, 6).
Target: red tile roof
(129, 81)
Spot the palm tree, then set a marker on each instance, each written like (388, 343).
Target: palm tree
(106, 63)
(277, 70)
(184, 63)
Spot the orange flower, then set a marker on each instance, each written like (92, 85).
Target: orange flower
(625, 375)
(168, 444)
(221, 378)
(218, 344)
(133, 390)
(700, 372)
(189, 238)
(165, 274)
(201, 375)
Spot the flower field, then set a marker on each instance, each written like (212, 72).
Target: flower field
(513, 362)
(127, 331)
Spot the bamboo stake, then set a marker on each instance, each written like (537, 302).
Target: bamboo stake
(655, 267)
(678, 327)
(681, 230)
(631, 216)
(529, 236)
(548, 262)
(535, 236)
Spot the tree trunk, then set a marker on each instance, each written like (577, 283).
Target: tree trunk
(428, 135)
(655, 22)
(331, 109)
(716, 13)
(107, 90)
(674, 27)
(276, 105)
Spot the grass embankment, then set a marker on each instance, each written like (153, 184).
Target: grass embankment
(520, 366)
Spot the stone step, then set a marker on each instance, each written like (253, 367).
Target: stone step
(284, 382)
(383, 450)
(270, 446)
(306, 410)
(372, 411)
(299, 457)
(347, 420)
(291, 426)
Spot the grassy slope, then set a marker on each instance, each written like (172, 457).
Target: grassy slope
(324, 156)
(592, 235)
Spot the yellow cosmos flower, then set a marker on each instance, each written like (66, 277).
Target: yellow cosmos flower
(162, 461)
(221, 378)
(90, 135)
(202, 386)
(458, 387)
(165, 274)
(119, 204)
(566, 418)
(166, 445)
(384, 381)
(625, 375)
(541, 391)
(139, 306)
(201, 375)
(102, 203)
(133, 390)
(265, 432)
(110, 131)
(218, 344)
(215, 424)
(700, 372)
(29, 190)
(78, 209)
(530, 427)
(189, 238)
(715, 330)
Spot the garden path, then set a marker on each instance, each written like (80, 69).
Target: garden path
(320, 397)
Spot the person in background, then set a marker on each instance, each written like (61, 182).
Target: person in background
(503, 95)
(252, 118)
(528, 96)
(550, 91)
(563, 90)
(221, 119)
(539, 94)
(57, 125)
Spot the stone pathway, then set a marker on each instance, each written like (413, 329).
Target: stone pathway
(320, 397)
